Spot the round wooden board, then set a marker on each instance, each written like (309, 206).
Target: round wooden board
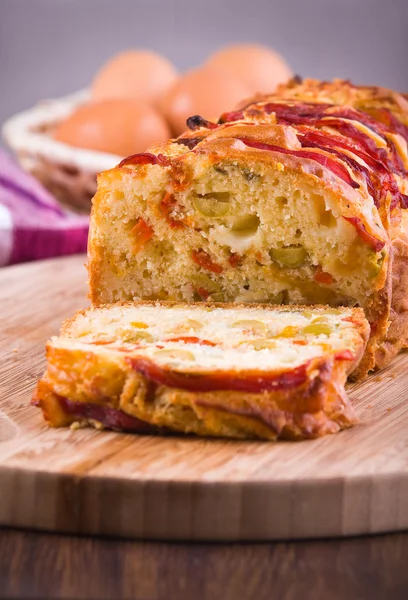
(174, 488)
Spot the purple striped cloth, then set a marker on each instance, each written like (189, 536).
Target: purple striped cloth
(32, 223)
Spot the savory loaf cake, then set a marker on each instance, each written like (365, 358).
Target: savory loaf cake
(281, 202)
(216, 370)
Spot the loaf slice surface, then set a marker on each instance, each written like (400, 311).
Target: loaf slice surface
(213, 370)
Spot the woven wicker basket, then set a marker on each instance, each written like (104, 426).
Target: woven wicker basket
(67, 172)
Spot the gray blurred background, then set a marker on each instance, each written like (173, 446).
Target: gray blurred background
(49, 48)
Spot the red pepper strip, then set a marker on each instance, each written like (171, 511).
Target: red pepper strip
(298, 113)
(354, 165)
(344, 355)
(244, 381)
(379, 180)
(322, 277)
(145, 158)
(348, 129)
(339, 118)
(234, 260)
(304, 112)
(331, 164)
(235, 115)
(344, 112)
(385, 116)
(142, 232)
(166, 206)
(191, 340)
(373, 156)
(350, 320)
(204, 294)
(370, 239)
(204, 260)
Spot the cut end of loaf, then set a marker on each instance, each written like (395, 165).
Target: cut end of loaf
(241, 232)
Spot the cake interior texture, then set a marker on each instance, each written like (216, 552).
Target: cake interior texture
(241, 232)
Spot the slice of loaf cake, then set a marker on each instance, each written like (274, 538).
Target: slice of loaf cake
(215, 370)
(291, 201)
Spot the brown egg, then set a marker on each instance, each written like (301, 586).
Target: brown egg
(137, 74)
(260, 68)
(120, 127)
(207, 92)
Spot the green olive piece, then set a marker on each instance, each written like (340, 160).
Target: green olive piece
(375, 265)
(276, 299)
(289, 256)
(213, 205)
(245, 225)
(319, 320)
(317, 329)
(136, 336)
(217, 297)
(202, 281)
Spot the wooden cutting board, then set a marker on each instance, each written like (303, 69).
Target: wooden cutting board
(93, 482)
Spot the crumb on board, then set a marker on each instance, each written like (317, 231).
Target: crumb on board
(380, 378)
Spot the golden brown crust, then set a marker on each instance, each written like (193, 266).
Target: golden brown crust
(311, 410)
(396, 336)
(48, 401)
(315, 407)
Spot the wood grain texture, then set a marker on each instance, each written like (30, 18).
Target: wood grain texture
(178, 488)
(38, 565)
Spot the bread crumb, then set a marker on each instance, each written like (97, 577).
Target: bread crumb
(96, 424)
(15, 350)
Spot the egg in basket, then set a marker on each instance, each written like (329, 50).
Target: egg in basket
(135, 101)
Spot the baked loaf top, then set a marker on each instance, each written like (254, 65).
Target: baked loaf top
(286, 200)
(384, 105)
(238, 371)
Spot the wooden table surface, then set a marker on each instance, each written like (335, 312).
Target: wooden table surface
(39, 565)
